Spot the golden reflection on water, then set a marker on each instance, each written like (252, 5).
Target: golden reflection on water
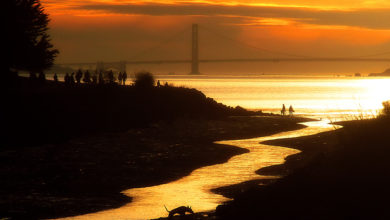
(306, 94)
(194, 190)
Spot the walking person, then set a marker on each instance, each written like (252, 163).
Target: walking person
(283, 111)
(291, 110)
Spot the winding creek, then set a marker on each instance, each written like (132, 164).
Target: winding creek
(195, 189)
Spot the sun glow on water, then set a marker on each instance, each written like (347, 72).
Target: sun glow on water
(306, 94)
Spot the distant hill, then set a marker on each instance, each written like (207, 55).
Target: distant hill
(385, 73)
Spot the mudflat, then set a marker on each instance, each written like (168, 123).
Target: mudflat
(342, 174)
(86, 174)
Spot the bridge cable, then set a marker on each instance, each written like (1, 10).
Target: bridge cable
(282, 53)
(158, 46)
(371, 55)
(254, 47)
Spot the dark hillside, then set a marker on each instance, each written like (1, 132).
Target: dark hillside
(43, 113)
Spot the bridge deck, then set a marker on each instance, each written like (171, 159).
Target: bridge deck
(329, 59)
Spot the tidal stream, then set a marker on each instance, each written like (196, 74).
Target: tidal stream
(195, 189)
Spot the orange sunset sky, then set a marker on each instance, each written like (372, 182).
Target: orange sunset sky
(112, 30)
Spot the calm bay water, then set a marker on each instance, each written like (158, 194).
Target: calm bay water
(308, 95)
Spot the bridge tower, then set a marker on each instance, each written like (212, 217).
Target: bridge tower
(195, 48)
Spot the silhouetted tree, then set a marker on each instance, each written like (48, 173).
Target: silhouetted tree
(144, 80)
(27, 44)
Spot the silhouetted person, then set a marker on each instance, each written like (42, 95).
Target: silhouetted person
(79, 75)
(33, 76)
(110, 77)
(87, 77)
(42, 78)
(291, 110)
(94, 78)
(67, 79)
(166, 84)
(158, 83)
(71, 79)
(55, 77)
(101, 80)
(283, 111)
(33, 79)
(124, 77)
(120, 78)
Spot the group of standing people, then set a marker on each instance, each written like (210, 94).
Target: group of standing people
(122, 78)
(290, 110)
(73, 78)
(86, 77)
(41, 77)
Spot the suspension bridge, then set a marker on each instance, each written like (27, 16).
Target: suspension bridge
(195, 60)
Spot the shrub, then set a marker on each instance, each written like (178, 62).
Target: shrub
(386, 108)
(144, 80)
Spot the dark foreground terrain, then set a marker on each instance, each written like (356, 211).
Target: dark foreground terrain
(343, 174)
(47, 112)
(70, 151)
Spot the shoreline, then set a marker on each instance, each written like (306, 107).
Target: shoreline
(340, 174)
(292, 163)
(90, 171)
